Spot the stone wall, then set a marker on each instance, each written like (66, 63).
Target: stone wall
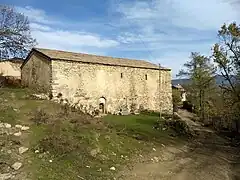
(124, 88)
(8, 68)
(36, 73)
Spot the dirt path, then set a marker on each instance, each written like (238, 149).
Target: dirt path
(206, 157)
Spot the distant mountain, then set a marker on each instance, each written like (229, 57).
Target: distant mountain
(218, 78)
(181, 81)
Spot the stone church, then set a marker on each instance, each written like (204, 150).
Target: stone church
(98, 83)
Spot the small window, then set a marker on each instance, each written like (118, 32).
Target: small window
(121, 75)
(145, 76)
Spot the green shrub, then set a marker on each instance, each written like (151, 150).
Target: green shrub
(176, 96)
(40, 117)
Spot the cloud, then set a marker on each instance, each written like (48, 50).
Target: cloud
(172, 29)
(204, 14)
(37, 15)
(49, 34)
(71, 39)
(39, 27)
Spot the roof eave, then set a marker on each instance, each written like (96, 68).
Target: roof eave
(30, 54)
(106, 64)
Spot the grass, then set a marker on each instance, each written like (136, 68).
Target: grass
(79, 146)
(140, 127)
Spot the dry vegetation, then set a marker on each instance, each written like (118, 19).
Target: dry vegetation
(66, 144)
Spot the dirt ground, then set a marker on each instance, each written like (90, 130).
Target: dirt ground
(208, 156)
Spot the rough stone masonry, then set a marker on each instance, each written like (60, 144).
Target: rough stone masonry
(97, 83)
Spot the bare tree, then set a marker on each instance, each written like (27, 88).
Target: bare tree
(15, 36)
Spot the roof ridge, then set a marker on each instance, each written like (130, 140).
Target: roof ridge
(97, 59)
(93, 55)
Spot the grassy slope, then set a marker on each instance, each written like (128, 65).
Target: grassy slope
(79, 146)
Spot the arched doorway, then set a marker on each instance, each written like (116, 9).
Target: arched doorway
(102, 105)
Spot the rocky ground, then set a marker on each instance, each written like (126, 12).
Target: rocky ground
(207, 156)
(12, 151)
(29, 150)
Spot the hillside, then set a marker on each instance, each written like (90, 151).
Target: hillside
(218, 79)
(43, 140)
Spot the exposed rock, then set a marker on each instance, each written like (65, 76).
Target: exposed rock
(36, 151)
(50, 161)
(6, 176)
(17, 134)
(22, 150)
(154, 149)
(99, 170)
(7, 125)
(80, 177)
(40, 96)
(17, 165)
(113, 168)
(2, 125)
(18, 126)
(156, 159)
(24, 128)
(107, 137)
(94, 152)
(9, 151)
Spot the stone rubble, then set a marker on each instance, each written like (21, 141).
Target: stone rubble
(18, 126)
(25, 128)
(17, 165)
(22, 150)
(113, 168)
(7, 125)
(156, 159)
(2, 125)
(17, 134)
(94, 152)
(7, 129)
(40, 96)
(6, 176)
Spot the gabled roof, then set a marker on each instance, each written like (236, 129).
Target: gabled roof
(94, 59)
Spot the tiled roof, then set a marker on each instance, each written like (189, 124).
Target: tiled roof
(88, 58)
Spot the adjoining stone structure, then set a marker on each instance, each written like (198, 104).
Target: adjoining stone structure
(99, 83)
(11, 67)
